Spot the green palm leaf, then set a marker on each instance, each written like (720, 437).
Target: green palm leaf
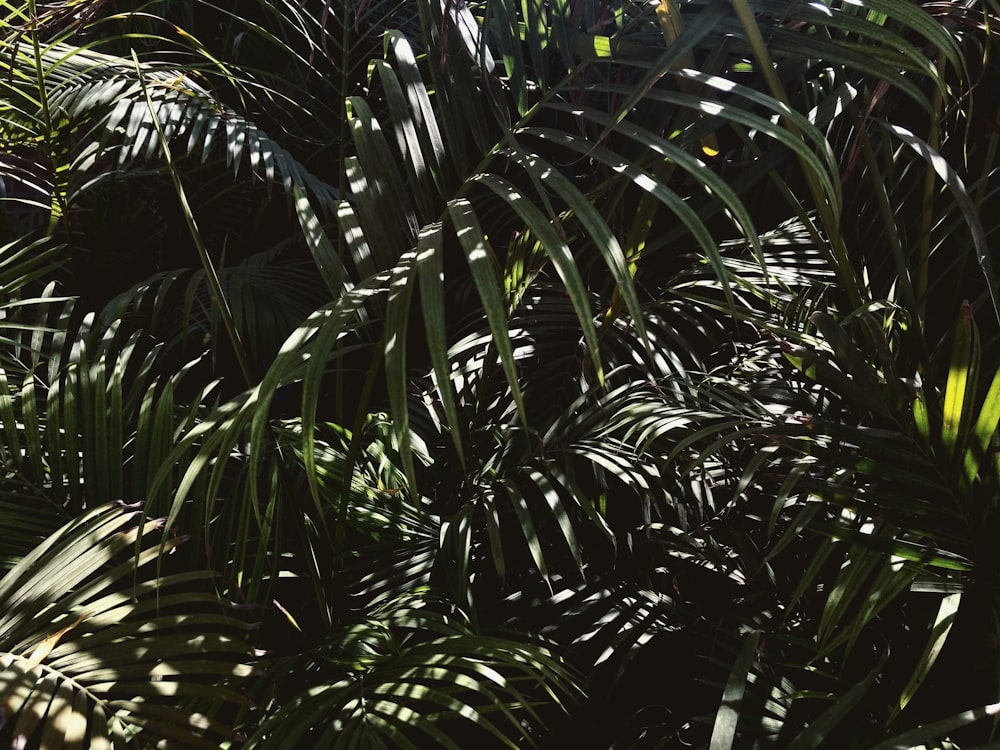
(96, 642)
(415, 672)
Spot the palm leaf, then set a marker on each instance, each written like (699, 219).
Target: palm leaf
(101, 101)
(413, 672)
(97, 643)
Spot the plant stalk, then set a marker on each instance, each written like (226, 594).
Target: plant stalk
(206, 261)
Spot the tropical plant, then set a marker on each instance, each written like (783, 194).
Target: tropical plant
(618, 373)
(100, 646)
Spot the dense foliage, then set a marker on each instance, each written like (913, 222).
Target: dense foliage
(449, 373)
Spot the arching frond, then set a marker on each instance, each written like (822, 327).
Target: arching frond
(415, 672)
(104, 117)
(97, 642)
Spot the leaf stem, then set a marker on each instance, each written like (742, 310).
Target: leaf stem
(844, 270)
(213, 278)
(927, 208)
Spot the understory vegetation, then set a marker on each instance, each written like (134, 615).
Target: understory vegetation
(459, 373)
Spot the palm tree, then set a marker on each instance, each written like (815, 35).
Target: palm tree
(503, 360)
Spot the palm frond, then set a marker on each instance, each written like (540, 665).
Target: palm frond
(101, 107)
(414, 671)
(97, 641)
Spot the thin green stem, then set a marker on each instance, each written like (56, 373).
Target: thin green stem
(206, 261)
(843, 268)
(43, 98)
(927, 207)
(58, 207)
(348, 12)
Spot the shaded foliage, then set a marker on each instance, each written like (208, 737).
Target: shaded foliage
(610, 373)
